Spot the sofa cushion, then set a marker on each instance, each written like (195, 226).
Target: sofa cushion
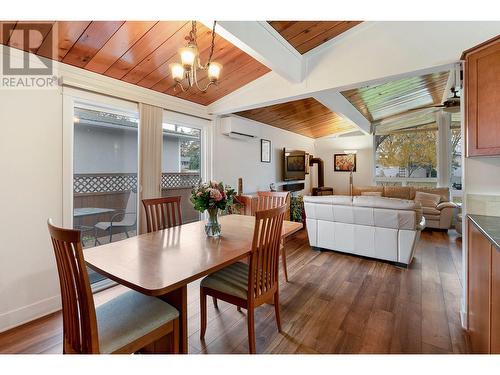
(381, 202)
(357, 190)
(344, 200)
(372, 193)
(400, 192)
(443, 192)
(427, 199)
(430, 211)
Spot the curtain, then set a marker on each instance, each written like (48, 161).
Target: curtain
(150, 156)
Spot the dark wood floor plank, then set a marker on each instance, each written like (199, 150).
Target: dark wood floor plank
(334, 303)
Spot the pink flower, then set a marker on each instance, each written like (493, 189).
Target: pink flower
(215, 194)
(199, 194)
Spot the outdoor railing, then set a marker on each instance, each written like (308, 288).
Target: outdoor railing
(87, 183)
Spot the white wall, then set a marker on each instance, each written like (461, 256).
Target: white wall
(325, 148)
(171, 154)
(241, 158)
(31, 183)
(31, 192)
(105, 150)
(482, 175)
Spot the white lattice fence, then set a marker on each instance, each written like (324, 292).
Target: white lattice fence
(121, 182)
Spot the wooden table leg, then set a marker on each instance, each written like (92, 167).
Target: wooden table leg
(178, 299)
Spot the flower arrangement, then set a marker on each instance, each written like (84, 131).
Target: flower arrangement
(212, 195)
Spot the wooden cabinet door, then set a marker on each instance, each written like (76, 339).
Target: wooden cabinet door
(482, 95)
(479, 256)
(495, 300)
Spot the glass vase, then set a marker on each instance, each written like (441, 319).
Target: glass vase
(212, 227)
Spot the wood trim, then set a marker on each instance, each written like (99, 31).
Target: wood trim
(472, 90)
(479, 47)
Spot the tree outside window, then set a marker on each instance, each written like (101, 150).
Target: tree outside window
(407, 154)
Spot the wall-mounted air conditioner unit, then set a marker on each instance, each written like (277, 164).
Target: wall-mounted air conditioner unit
(238, 128)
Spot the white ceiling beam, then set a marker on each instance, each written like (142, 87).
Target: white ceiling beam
(266, 45)
(337, 103)
(371, 53)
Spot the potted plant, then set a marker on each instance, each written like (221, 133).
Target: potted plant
(211, 197)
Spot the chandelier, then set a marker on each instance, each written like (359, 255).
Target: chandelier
(186, 71)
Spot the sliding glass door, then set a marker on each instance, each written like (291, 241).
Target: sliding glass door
(105, 152)
(181, 165)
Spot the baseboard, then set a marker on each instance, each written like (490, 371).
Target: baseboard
(25, 314)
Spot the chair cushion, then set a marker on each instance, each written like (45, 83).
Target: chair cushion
(232, 280)
(128, 317)
(427, 199)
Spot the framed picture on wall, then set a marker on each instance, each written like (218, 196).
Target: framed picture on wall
(344, 162)
(265, 151)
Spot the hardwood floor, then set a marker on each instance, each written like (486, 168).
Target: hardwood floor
(334, 303)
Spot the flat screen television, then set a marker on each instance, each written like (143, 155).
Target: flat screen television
(294, 165)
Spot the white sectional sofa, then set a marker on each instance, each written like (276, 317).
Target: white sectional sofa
(375, 227)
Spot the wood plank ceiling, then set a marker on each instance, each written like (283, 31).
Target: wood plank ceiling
(139, 52)
(306, 116)
(401, 104)
(306, 35)
(392, 98)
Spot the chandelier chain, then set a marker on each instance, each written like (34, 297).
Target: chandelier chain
(213, 44)
(191, 75)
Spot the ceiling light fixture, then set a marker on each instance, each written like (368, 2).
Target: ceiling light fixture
(187, 70)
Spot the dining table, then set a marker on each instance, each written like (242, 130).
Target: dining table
(164, 262)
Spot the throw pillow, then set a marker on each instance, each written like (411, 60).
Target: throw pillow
(372, 193)
(427, 199)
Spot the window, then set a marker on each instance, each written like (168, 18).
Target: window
(407, 157)
(456, 146)
(105, 151)
(181, 165)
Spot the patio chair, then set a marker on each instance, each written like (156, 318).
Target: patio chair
(123, 220)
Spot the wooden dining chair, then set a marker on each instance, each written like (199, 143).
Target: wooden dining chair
(272, 199)
(128, 323)
(162, 213)
(250, 285)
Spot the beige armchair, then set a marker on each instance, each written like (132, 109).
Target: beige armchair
(439, 217)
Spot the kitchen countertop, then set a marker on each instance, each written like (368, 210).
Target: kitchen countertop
(489, 226)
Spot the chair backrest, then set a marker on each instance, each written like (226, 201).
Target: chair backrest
(271, 199)
(79, 318)
(162, 213)
(263, 274)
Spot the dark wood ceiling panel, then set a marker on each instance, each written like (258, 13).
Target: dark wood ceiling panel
(66, 34)
(91, 41)
(6, 28)
(121, 41)
(306, 116)
(393, 98)
(140, 52)
(36, 38)
(153, 39)
(165, 53)
(306, 35)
